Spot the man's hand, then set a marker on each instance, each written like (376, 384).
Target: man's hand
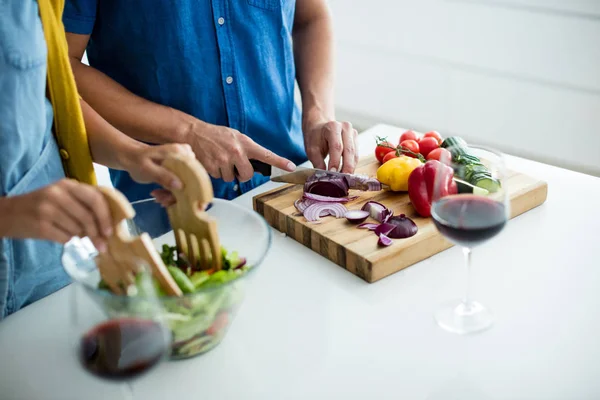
(338, 139)
(220, 149)
(57, 213)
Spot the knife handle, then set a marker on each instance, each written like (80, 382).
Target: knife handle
(262, 168)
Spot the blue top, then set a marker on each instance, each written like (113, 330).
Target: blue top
(29, 269)
(224, 62)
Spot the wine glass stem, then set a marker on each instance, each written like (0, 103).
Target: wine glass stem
(467, 300)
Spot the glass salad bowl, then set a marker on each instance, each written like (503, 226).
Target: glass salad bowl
(200, 318)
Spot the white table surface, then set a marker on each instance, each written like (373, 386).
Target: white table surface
(311, 330)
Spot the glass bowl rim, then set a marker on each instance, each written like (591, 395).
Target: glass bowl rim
(255, 266)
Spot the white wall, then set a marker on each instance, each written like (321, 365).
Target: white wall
(521, 75)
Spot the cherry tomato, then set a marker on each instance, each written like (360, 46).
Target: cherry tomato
(442, 155)
(219, 323)
(389, 156)
(435, 135)
(427, 145)
(409, 135)
(382, 149)
(411, 145)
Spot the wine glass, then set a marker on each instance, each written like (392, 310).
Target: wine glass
(470, 205)
(115, 337)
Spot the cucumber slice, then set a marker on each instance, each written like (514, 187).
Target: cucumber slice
(488, 184)
(465, 187)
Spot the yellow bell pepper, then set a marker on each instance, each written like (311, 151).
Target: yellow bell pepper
(396, 171)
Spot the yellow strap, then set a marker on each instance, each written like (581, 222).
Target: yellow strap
(69, 127)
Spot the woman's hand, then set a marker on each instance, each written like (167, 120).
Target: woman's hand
(144, 164)
(57, 213)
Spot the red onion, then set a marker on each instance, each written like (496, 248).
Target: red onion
(316, 210)
(334, 185)
(377, 211)
(328, 199)
(404, 227)
(368, 225)
(241, 263)
(356, 216)
(302, 204)
(324, 184)
(384, 240)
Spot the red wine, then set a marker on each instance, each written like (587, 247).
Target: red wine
(123, 348)
(468, 220)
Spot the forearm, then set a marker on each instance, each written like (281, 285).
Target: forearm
(5, 211)
(108, 145)
(313, 51)
(133, 115)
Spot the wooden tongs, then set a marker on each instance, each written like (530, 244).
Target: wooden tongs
(116, 265)
(195, 231)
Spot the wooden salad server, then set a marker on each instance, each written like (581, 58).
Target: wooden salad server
(116, 266)
(195, 231)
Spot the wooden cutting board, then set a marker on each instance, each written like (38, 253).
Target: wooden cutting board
(356, 249)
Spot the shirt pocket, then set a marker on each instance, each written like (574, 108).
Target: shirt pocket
(46, 170)
(22, 39)
(266, 4)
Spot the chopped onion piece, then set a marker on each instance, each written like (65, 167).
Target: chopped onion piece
(356, 216)
(384, 240)
(368, 225)
(377, 211)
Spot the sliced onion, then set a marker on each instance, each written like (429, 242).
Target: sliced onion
(302, 204)
(316, 210)
(241, 263)
(328, 199)
(384, 240)
(356, 216)
(377, 211)
(384, 229)
(404, 227)
(368, 225)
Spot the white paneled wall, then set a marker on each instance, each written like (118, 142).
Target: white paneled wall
(521, 75)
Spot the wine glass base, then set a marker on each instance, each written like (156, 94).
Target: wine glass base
(458, 317)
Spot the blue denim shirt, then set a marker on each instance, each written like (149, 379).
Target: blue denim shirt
(225, 62)
(29, 269)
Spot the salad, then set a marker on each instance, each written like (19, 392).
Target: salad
(199, 319)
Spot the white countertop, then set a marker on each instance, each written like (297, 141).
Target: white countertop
(311, 330)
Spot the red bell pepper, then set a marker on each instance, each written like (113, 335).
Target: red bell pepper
(422, 180)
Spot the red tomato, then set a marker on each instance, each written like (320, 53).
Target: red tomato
(435, 135)
(389, 156)
(442, 155)
(219, 323)
(382, 149)
(411, 145)
(427, 144)
(408, 135)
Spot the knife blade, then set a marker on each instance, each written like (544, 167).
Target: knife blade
(301, 174)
